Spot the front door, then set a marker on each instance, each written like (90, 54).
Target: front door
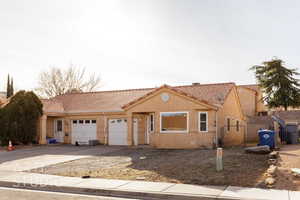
(150, 128)
(58, 131)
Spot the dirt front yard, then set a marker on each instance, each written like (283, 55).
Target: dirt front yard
(177, 166)
(289, 158)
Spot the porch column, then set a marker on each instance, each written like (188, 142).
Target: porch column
(130, 129)
(43, 130)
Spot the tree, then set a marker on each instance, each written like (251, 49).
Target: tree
(56, 81)
(8, 88)
(280, 87)
(18, 119)
(12, 87)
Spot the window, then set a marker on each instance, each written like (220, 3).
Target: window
(176, 122)
(203, 122)
(74, 121)
(80, 121)
(87, 122)
(151, 122)
(94, 121)
(59, 125)
(228, 124)
(237, 125)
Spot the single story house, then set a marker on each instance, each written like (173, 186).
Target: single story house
(190, 116)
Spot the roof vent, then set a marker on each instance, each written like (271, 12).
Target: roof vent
(196, 83)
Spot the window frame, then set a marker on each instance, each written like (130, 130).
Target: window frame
(151, 124)
(181, 112)
(59, 125)
(199, 121)
(228, 124)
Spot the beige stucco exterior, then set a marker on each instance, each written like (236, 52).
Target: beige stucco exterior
(248, 101)
(232, 110)
(251, 101)
(153, 104)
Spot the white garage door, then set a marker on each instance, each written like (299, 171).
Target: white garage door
(117, 134)
(84, 130)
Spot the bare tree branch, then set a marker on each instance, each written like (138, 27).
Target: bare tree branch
(56, 81)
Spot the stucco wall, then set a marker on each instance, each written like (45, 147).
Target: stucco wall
(248, 101)
(192, 139)
(50, 127)
(231, 109)
(260, 106)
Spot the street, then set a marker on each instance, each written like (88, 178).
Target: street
(21, 194)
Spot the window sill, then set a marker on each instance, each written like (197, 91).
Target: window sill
(171, 132)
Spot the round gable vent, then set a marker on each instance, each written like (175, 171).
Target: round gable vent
(165, 97)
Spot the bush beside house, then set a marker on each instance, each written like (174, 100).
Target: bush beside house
(18, 119)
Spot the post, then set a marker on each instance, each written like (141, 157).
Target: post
(130, 130)
(43, 129)
(219, 160)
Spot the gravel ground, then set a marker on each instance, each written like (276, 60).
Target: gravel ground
(177, 166)
(289, 158)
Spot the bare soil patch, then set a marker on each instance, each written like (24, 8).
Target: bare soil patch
(289, 157)
(177, 166)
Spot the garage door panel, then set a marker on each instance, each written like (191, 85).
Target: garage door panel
(83, 131)
(117, 132)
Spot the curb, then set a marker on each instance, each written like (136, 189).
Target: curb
(112, 192)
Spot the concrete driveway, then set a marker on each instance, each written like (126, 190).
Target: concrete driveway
(41, 156)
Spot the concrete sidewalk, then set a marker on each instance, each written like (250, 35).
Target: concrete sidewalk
(138, 189)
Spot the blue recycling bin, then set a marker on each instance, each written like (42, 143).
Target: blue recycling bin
(266, 137)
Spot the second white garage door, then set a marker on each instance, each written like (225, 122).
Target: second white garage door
(117, 134)
(84, 130)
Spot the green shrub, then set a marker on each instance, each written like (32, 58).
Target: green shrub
(19, 118)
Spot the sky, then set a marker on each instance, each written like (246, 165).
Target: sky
(146, 43)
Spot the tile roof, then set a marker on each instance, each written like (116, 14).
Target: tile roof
(212, 93)
(111, 101)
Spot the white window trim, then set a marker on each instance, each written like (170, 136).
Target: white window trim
(182, 112)
(199, 122)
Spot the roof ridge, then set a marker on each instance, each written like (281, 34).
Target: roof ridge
(249, 84)
(207, 84)
(140, 89)
(107, 91)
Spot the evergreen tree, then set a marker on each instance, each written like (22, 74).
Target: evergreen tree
(280, 87)
(8, 88)
(18, 119)
(12, 87)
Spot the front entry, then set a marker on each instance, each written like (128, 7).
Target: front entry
(58, 131)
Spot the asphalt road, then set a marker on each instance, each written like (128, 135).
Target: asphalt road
(21, 194)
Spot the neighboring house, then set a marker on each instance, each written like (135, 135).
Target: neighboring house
(251, 100)
(189, 116)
